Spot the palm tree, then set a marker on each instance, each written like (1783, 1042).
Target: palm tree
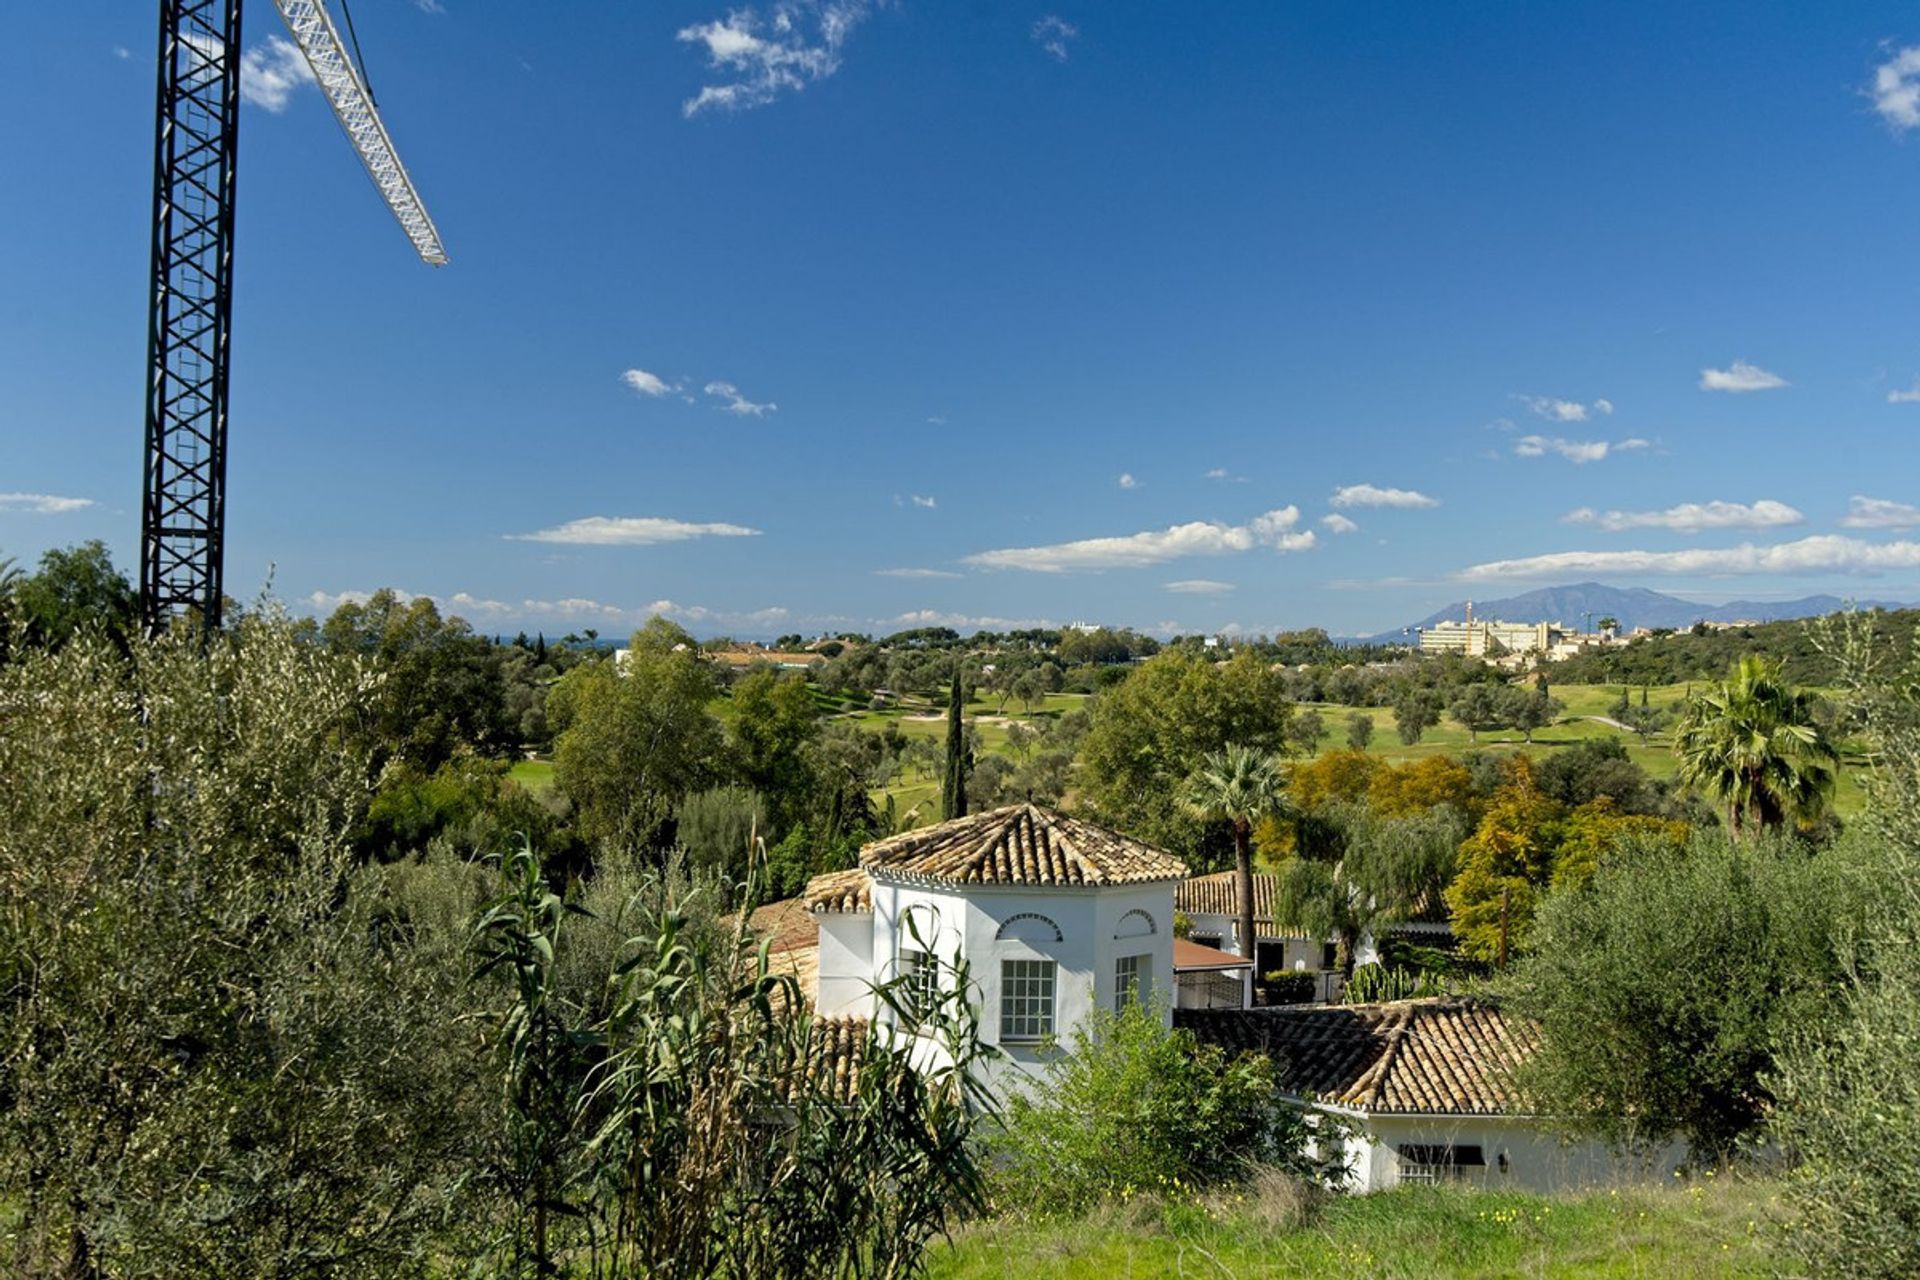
(1239, 786)
(1751, 742)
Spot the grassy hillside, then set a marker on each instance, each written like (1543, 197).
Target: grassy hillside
(1705, 1230)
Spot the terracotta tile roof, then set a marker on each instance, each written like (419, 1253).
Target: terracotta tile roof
(1189, 957)
(1414, 1057)
(834, 1053)
(1215, 895)
(840, 892)
(1021, 844)
(783, 925)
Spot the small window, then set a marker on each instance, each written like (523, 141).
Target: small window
(1132, 981)
(1026, 999)
(1205, 940)
(1422, 1162)
(919, 980)
(1329, 954)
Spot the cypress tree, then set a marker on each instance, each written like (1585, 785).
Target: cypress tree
(953, 787)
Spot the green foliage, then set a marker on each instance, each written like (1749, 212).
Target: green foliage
(1239, 786)
(1290, 986)
(1504, 866)
(443, 690)
(1480, 707)
(1133, 1106)
(716, 828)
(774, 722)
(1415, 711)
(953, 781)
(1754, 743)
(1359, 730)
(1151, 731)
(468, 801)
(632, 742)
(224, 1050)
(1374, 983)
(75, 590)
(1664, 989)
(1847, 1086)
(697, 1120)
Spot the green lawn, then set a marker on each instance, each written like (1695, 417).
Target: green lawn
(535, 775)
(1705, 1230)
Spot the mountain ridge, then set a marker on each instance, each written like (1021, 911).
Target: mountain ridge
(1632, 606)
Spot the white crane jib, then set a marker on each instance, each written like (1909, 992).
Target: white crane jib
(319, 40)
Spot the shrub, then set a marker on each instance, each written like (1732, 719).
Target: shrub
(1664, 989)
(1377, 983)
(1289, 986)
(1133, 1106)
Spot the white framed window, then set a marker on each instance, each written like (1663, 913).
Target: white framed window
(919, 980)
(1026, 999)
(1132, 981)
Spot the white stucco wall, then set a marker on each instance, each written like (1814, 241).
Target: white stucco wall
(1536, 1158)
(986, 924)
(846, 964)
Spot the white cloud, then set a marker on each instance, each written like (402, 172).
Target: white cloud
(1879, 513)
(1820, 554)
(1275, 529)
(1368, 495)
(701, 613)
(737, 403)
(916, 573)
(1053, 34)
(1199, 587)
(1909, 396)
(1334, 522)
(939, 618)
(799, 43)
(1896, 89)
(271, 72)
(121, 52)
(647, 384)
(41, 504)
(1575, 451)
(1693, 517)
(1559, 410)
(923, 500)
(631, 531)
(1127, 481)
(1740, 376)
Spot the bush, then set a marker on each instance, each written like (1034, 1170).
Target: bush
(1133, 1106)
(1378, 983)
(1665, 988)
(1289, 986)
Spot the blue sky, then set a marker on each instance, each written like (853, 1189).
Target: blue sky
(844, 314)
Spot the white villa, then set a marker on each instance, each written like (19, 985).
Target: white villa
(1051, 917)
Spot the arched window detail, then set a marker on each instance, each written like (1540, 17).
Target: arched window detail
(1136, 924)
(1030, 926)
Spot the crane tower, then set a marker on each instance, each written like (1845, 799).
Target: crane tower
(190, 290)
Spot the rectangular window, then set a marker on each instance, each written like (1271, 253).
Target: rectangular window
(1431, 1162)
(919, 980)
(1132, 981)
(1026, 999)
(1206, 940)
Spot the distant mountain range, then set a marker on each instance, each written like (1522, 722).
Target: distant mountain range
(1634, 607)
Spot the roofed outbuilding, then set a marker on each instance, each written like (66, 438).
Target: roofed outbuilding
(1411, 1057)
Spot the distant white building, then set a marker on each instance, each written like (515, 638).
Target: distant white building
(1479, 638)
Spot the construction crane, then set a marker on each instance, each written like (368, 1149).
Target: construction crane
(183, 506)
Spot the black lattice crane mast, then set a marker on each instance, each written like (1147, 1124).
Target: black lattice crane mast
(183, 507)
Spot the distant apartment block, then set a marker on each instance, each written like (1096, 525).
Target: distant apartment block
(1482, 638)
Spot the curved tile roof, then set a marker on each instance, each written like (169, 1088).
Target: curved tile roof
(846, 892)
(1413, 1057)
(1021, 844)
